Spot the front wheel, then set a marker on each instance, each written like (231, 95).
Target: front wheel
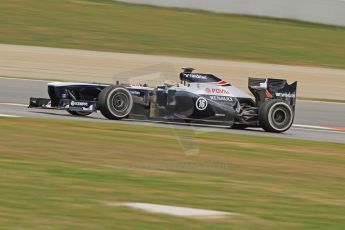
(115, 102)
(276, 116)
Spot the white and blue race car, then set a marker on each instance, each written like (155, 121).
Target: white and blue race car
(197, 98)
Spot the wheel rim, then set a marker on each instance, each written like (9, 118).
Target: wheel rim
(120, 102)
(280, 117)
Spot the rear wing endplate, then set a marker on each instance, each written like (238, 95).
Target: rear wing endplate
(265, 89)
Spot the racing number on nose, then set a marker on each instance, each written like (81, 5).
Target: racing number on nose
(201, 103)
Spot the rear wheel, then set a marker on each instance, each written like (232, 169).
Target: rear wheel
(115, 102)
(79, 113)
(276, 116)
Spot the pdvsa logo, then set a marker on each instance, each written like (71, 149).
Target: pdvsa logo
(217, 91)
(201, 103)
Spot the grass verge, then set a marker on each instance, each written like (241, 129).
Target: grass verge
(112, 26)
(62, 174)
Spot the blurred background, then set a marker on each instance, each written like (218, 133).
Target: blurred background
(242, 42)
(62, 172)
(329, 12)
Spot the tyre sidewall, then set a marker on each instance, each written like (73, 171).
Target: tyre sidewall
(280, 105)
(266, 115)
(110, 106)
(104, 102)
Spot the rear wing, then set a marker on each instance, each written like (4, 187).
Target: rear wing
(265, 89)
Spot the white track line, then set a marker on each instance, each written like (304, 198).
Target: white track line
(300, 126)
(311, 127)
(318, 129)
(13, 104)
(23, 79)
(6, 115)
(324, 131)
(174, 210)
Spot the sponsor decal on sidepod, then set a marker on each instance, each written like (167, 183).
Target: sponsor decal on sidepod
(217, 91)
(201, 103)
(221, 98)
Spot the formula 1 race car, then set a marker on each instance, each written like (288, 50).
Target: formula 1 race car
(198, 98)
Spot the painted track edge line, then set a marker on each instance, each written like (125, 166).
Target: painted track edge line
(320, 128)
(7, 115)
(309, 127)
(24, 79)
(13, 104)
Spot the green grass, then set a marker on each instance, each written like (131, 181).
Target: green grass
(113, 26)
(63, 175)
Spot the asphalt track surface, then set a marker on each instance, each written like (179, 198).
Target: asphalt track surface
(321, 121)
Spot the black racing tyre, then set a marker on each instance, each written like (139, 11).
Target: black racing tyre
(276, 116)
(115, 102)
(79, 113)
